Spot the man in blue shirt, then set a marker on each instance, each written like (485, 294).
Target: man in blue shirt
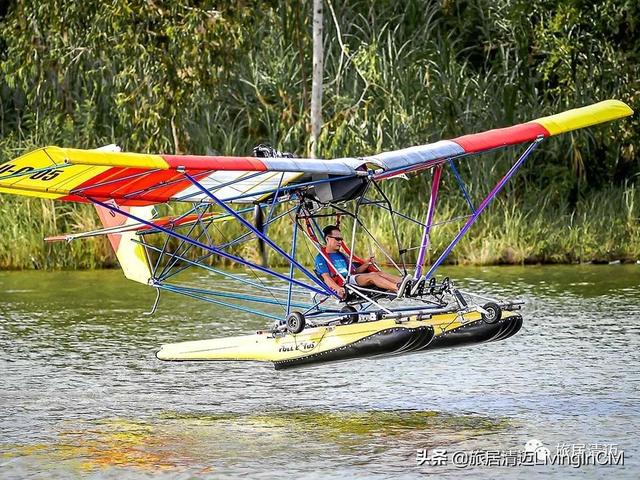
(358, 274)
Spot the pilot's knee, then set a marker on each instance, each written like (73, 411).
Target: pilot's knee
(365, 278)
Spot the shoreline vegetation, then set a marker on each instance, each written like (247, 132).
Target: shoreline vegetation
(200, 78)
(602, 228)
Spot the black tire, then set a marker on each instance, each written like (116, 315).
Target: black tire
(349, 319)
(494, 312)
(295, 322)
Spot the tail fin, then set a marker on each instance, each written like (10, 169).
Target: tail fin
(131, 255)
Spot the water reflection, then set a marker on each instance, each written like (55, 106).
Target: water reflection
(208, 442)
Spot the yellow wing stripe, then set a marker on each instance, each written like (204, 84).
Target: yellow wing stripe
(30, 192)
(110, 159)
(66, 178)
(585, 117)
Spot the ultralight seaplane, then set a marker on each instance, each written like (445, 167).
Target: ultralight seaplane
(310, 321)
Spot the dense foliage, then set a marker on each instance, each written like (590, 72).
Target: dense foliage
(205, 76)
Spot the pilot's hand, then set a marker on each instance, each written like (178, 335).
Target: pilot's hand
(341, 292)
(372, 261)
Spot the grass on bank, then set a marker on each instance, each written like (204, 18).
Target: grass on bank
(601, 227)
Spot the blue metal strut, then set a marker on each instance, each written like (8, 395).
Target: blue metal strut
(215, 250)
(260, 235)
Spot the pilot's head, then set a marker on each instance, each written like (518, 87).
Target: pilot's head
(332, 237)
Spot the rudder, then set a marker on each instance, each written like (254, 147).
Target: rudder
(131, 255)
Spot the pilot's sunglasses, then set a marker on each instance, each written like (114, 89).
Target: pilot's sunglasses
(336, 238)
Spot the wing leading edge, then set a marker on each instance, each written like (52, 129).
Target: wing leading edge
(425, 156)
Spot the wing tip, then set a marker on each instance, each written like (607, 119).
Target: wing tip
(587, 116)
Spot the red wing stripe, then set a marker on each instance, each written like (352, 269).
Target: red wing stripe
(130, 186)
(196, 162)
(500, 137)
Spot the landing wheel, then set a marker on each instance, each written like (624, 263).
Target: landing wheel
(494, 312)
(348, 319)
(295, 322)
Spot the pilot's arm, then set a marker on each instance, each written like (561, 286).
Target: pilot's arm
(363, 268)
(333, 285)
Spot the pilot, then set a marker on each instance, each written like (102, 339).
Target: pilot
(358, 275)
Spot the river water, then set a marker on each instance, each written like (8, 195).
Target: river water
(82, 394)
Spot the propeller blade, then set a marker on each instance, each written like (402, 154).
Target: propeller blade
(258, 222)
